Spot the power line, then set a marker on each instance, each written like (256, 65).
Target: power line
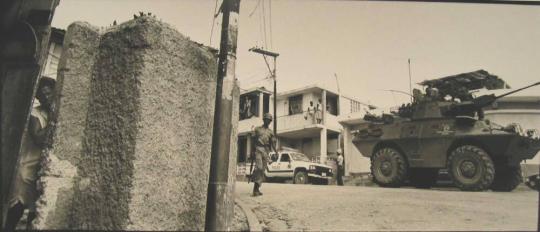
(257, 80)
(213, 23)
(254, 9)
(261, 26)
(270, 15)
(264, 23)
(253, 76)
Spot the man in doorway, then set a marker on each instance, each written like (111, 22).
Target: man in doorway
(24, 194)
(263, 142)
(340, 167)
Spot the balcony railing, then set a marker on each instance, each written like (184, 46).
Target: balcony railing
(294, 121)
(290, 122)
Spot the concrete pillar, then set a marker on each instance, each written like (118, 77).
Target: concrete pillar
(148, 133)
(346, 148)
(248, 146)
(72, 95)
(323, 145)
(324, 107)
(261, 103)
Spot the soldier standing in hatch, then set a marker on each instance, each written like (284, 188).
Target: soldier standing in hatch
(24, 194)
(263, 142)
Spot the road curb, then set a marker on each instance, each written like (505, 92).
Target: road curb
(253, 221)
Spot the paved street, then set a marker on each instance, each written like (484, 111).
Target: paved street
(352, 208)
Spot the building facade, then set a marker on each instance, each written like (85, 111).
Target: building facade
(298, 128)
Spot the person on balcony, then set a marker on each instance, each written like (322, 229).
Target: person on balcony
(318, 112)
(310, 113)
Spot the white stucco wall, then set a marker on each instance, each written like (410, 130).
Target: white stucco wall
(355, 162)
(528, 119)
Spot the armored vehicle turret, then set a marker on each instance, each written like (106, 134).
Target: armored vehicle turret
(445, 129)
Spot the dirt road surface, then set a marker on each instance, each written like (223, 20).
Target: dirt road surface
(288, 207)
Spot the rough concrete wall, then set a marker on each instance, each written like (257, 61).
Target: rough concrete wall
(72, 93)
(73, 89)
(109, 135)
(147, 142)
(172, 154)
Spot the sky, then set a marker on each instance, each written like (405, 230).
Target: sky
(365, 44)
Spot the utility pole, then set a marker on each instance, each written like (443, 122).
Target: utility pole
(273, 73)
(220, 200)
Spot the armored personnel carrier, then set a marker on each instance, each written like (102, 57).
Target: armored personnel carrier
(444, 128)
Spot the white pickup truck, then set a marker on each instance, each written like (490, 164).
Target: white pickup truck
(296, 166)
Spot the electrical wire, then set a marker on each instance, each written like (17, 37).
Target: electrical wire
(264, 23)
(252, 76)
(257, 80)
(254, 9)
(213, 23)
(261, 27)
(270, 22)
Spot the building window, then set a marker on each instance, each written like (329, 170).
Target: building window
(285, 158)
(295, 104)
(355, 106)
(249, 105)
(332, 105)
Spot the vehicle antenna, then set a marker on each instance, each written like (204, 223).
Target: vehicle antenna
(410, 80)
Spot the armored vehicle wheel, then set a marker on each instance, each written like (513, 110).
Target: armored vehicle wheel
(423, 177)
(506, 178)
(471, 168)
(300, 177)
(388, 167)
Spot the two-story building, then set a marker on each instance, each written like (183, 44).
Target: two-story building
(315, 134)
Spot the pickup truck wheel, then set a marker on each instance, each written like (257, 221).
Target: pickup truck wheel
(300, 177)
(506, 178)
(423, 177)
(388, 167)
(471, 168)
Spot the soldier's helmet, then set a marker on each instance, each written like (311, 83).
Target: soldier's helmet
(267, 116)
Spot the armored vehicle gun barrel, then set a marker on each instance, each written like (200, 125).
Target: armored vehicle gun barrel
(476, 104)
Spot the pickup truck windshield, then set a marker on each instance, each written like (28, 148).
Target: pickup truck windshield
(299, 157)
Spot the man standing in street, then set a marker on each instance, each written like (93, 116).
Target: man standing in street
(263, 142)
(340, 167)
